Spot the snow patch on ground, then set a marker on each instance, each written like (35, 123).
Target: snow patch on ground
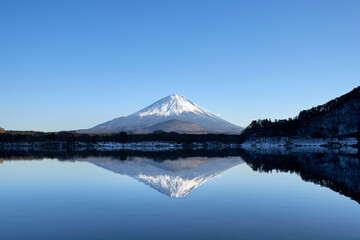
(284, 144)
(148, 146)
(140, 146)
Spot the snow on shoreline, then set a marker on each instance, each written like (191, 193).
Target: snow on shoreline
(304, 144)
(115, 146)
(139, 146)
(286, 144)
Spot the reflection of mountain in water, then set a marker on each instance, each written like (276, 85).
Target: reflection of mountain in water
(339, 172)
(337, 169)
(172, 178)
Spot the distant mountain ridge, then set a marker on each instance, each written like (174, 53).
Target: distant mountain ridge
(190, 118)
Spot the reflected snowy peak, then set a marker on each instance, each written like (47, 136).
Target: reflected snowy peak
(174, 178)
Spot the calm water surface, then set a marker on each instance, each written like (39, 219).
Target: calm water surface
(189, 198)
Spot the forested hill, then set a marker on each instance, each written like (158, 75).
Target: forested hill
(337, 118)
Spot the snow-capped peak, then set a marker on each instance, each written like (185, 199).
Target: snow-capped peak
(172, 105)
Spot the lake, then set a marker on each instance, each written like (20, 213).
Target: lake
(252, 195)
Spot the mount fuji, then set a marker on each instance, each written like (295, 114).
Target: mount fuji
(173, 113)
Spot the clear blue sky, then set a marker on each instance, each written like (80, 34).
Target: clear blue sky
(74, 64)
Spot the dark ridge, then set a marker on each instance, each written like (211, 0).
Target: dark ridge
(337, 118)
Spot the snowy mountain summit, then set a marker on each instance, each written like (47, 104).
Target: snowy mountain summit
(172, 105)
(172, 113)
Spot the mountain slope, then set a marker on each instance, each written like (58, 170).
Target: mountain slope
(171, 107)
(175, 125)
(336, 118)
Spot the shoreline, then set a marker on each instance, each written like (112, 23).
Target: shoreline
(281, 143)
